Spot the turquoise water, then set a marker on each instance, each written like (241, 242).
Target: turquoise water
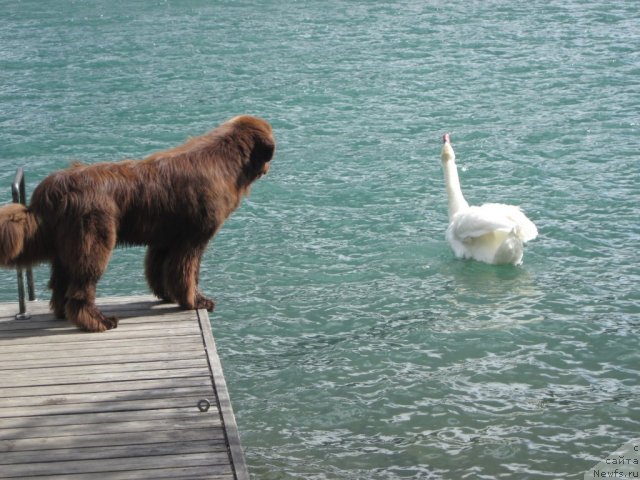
(354, 344)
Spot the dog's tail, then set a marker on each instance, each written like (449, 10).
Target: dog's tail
(22, 239)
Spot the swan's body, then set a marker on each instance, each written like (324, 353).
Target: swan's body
(492, 233)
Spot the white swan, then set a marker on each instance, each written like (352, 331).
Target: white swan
(491, 233)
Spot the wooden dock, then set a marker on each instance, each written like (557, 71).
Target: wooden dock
(124, 404)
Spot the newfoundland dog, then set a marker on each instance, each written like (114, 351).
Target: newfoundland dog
(173, 201)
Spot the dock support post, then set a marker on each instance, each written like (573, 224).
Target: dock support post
(18, 191)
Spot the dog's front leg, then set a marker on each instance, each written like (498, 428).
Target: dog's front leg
(181, 277)
(154, 269)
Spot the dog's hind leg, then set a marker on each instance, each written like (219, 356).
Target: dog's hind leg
(182, 270)
(81, 309)
(59, 283)
(85, 260)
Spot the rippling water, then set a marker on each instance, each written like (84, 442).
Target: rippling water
(354, 344)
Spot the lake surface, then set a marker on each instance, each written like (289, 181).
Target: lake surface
(354, 344)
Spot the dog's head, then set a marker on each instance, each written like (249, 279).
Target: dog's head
(257, 135)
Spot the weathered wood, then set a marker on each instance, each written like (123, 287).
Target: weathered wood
(87, 418)
(38, 322)
(119, 404)
(116, 464)
(111, 305)
(224, 403)
(170, 343)
(98, 397)
(21, 381)
(181, 473)
(110, 439)
(102, 407)
(36, 427)
(123, 386)
(100, 367)
(88, 357)
(117, 451)
(69, 334)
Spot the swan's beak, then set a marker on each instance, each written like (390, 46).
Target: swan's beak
(447, 150)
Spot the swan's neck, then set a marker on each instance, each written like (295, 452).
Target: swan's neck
(454, 192)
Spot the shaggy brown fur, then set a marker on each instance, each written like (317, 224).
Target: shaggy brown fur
(173, 201)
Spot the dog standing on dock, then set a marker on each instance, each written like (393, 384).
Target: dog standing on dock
(174, 201)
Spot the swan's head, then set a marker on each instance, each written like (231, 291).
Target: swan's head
(447, 150)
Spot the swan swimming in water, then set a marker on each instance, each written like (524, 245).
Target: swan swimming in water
(491, 233)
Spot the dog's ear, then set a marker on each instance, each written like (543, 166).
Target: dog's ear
(263, 149)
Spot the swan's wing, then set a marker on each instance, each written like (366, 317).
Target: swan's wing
(525, 228)
(475, 222)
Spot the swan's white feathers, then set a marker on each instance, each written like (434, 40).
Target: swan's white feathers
(475, 222)
(491, 233)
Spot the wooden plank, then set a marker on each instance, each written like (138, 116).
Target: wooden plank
(88, 358)
(117, 464)
(119, 404)
(180, 473)
(102, 377)
(144, 302)
(115, 451)
(40, 322)
(170, 343)
(122, 386)
(68, 333)
(73, 338)
(165, 414)
(111, 439)
(128, 317)
(102, 396)
(124, 422)
(101, 367)
(109, 406)
(224, 402)
(8, 310)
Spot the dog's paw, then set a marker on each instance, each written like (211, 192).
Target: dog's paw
(204, 302)
(96, 323)
(110, 322)
(100, 323)
(57, 307)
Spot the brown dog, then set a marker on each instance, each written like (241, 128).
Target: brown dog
(173, 201)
